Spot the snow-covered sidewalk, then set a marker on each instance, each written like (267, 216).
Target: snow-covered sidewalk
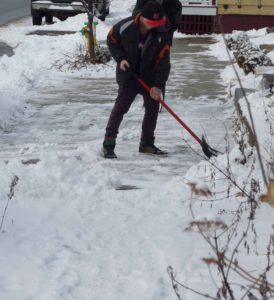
(80, 227)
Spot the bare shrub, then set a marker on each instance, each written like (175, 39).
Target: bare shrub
(230, 241)
(81, 58)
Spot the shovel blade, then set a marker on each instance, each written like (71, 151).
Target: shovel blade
(208, 151)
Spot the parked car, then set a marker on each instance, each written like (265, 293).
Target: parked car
(102, 9)
(62, 9)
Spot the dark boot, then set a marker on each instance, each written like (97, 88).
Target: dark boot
(150, 148)
(108, 149)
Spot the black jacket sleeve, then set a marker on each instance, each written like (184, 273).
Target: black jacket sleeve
(114, 43)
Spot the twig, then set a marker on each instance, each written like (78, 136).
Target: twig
(220, 257)
(175, 284)
(10, 196)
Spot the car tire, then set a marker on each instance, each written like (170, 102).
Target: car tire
(104, 10)
(49, 19)
(37, 20)
(102, 17)
(62, 18)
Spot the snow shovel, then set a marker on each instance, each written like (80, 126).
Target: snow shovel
(208, 151)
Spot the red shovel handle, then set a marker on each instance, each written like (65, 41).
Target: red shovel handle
(146, 87)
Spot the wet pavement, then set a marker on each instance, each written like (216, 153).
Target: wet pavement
(71, 111)
(51, 32)
(13, 10)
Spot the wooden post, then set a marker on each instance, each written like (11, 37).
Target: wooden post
(89, 7)
(90, 24)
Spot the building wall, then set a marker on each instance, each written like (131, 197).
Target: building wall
(246, 7)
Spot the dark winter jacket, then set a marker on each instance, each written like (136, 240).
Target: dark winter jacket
(171, 8)
(154, 64)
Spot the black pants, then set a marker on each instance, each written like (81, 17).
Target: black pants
(126, 95)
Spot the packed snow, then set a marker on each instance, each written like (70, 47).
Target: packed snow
(75, 226)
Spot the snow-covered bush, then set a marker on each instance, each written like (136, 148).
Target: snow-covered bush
(248, 55)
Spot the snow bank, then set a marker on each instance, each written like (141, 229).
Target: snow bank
(245, 171)
(260, 101)
(35, 56)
